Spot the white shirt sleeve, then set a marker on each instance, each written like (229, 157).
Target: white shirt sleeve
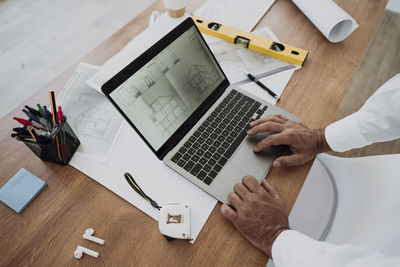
(378, 120)
(293, 249)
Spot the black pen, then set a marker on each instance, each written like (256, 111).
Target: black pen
(254, 79)
(21, 130)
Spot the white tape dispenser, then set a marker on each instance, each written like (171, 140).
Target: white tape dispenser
(174, 221)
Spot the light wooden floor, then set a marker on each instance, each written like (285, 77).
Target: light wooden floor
(40, 39)
(380, 63)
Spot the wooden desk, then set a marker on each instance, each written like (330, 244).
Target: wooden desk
(50, 228)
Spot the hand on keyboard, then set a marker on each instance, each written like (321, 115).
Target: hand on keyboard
(304, 143)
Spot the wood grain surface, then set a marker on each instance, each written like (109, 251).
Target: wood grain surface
(49, 229)
(380, 63)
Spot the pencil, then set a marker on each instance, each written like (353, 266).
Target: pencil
(32, 132)
(54, 111)
(53, 106)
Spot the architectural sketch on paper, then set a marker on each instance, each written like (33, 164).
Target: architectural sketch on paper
(94, 121)
(91, 116)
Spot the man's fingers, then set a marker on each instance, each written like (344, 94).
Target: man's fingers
(251, 183)
(274, 118)
(234, 200)
(268, 126)
(240, 190)
(280, 116)
(289, 161)
(229, 213)
(271, 189)
(271, 140)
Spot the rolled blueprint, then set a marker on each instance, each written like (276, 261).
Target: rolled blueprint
(330, 19)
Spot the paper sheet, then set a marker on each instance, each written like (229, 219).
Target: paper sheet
(160, 182)
(239, 14)
(91, 116)
(330, 19)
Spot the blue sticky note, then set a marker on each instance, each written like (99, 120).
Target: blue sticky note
(21, 189)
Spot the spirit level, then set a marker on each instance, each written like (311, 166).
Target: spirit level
(253, 42)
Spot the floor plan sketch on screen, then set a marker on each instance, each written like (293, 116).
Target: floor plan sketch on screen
(200, 79)
(166, 111)
(163, 93)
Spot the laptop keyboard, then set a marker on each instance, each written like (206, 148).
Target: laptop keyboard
(214, 142)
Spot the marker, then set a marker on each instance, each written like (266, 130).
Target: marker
(254, 79)
(33, 111)
(60, 115)
(40, 110)
(47, 115)
(33, 117)
(40, 119)
(21, 130)
(34, 123)
(25, 122)
(14, 135)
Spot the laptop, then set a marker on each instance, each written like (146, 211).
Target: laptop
(177, 98)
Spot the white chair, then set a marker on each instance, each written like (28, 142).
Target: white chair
(352, 201)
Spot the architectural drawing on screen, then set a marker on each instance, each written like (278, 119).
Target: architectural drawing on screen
(174, 57)
(164, 68)
(166, 112)
(200, 79)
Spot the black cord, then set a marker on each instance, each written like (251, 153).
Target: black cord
(138, 190)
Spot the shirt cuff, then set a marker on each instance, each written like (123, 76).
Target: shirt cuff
(345, 134)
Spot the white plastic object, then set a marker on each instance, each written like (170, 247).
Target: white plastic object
(315, 207)
(366, 211)
(174, 221)
(89, 236)
(361, 200)
(80, 250)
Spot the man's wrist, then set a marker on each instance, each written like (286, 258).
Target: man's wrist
(320, 141)
(268, 250)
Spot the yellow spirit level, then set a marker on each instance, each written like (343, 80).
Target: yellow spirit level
(253, 42)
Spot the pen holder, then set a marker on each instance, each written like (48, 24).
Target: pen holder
(61, 148)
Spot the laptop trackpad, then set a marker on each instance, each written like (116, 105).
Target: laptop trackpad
(256, 164)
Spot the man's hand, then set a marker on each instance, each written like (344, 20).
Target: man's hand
(257, 211)
(304, 143)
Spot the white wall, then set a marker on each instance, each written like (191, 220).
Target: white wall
(393, 5)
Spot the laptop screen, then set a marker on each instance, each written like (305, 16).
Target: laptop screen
(161, 95)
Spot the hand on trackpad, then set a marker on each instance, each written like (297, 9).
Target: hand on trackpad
(256, 164)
